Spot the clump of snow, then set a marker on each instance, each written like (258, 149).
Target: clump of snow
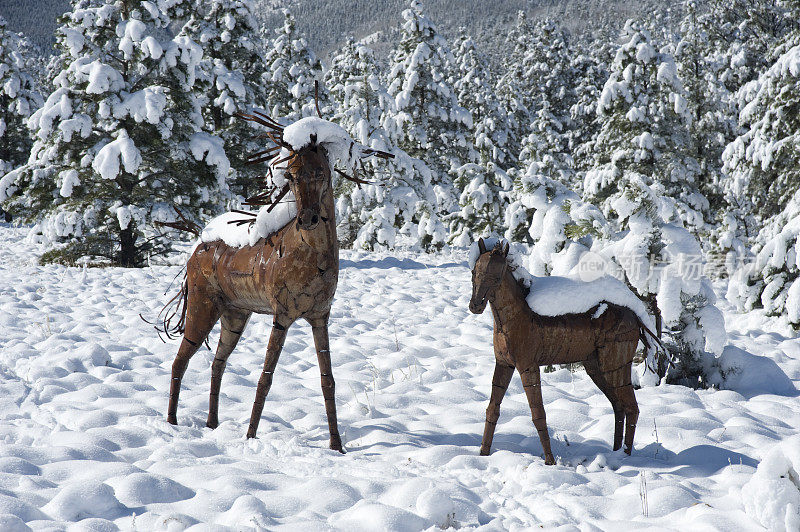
(338, 144)
(247, 234)
(107, 161)
(211, 149)
(749, 374)
(556, 295)
(772, 496)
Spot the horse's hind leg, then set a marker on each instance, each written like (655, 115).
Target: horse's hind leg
(631, 407)
(502, 376)
(232, 325)
(201, 315)
(593, 370)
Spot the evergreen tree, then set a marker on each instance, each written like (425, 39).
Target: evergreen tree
(547, 149)
(663, 263)
(291, 69)
(19, 98)
(713, 118)
(772, 280)
(427, 121)
(512, 88)
(590, 63)
(386, 212)
(644, 129)
(229, 80)
(119, 141)
(763, 163)
(483, 186)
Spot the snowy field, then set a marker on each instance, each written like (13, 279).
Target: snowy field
(84, 444)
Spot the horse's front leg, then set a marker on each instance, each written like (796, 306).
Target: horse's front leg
(319, 327)
(532, 383)
(502, 376)
(274, 348)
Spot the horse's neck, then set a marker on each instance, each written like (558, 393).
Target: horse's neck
(323, 239)
(509, 302)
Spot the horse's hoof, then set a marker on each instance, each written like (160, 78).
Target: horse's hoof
(251, 435)
(212, 424)
(172, 420)
(484, 452)
(628, 450)
(549, 460)
(336, 445)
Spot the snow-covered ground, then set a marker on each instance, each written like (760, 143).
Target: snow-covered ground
(83, 436)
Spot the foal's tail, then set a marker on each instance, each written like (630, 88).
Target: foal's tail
(644, 332)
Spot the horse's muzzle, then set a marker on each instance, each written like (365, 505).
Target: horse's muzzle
(308, 219)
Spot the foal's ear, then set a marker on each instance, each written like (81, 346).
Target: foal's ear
(504, 249)
(481, 246)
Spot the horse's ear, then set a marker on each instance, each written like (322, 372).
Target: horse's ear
(481, 246)
(505, 249)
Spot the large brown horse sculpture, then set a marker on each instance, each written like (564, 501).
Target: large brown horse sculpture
(524, 340)
(291, 274)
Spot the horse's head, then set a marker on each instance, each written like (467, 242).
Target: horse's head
(309, 175)
(487, 274)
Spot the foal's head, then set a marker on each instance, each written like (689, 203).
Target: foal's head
(487, 274)
(309, 175)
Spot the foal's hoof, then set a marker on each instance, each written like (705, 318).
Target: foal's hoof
(484, 452)
(212, 424)
(549, 460)
(172, 420)
(628, 450)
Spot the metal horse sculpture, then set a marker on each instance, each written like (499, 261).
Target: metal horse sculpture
(525, 340)
(291, 274)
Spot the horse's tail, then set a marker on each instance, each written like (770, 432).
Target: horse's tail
(174, 308)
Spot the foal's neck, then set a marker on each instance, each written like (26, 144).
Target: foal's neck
(509, 301)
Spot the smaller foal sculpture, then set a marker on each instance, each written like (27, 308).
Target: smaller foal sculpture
(604, 343)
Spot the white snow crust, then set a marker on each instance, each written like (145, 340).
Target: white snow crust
(84, 443)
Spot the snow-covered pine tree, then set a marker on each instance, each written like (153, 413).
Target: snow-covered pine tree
(764, 180)
(512, 89)
(230, 80)
(291, 68)
(483, 187)
(427, 121)
(590, 62)
(763, 163)
(474, 85)
(663, 263)
(772, 280)
(644, 120)
(547, 149)
(19, 98)
(385, 213)
(713, 118)
(119, 141)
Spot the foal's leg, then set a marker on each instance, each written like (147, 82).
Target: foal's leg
(531, 381)
(502, 376)
(319, 327)
(619, 379)
(274, 348)
(201, 315)
(593, 370)
(233, 324)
